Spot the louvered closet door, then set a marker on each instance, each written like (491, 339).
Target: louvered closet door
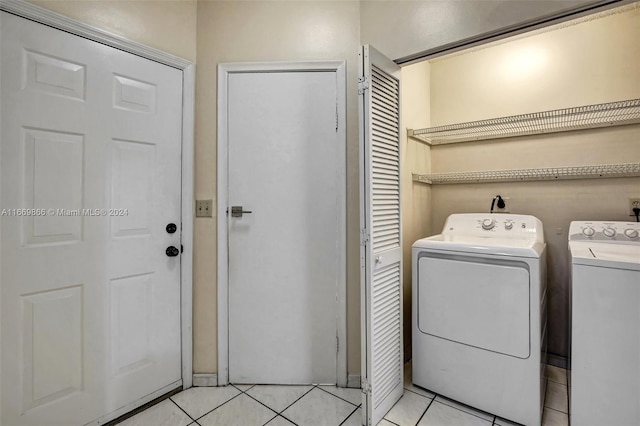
(381, 230)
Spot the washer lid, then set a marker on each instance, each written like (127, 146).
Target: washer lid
(482, 245)
(620, 256)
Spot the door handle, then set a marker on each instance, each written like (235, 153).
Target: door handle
(237, 211)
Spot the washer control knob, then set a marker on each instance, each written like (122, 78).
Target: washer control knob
(631, 233)
(508, 225)
(588, 231)
(609, 232)
(488, 224)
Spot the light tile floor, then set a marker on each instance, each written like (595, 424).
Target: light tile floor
(330, 406)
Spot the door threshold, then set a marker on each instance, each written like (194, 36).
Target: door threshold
(144, 406)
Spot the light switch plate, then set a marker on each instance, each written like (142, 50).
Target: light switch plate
(204, 208)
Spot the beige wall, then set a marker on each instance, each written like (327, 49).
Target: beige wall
(402, 28)
(461, 88)
(416, 158)
(238, 31)
(591, 62)
(229, 31)
(166, 25)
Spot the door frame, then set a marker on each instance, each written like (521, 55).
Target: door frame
(61, 22)
(224, 70)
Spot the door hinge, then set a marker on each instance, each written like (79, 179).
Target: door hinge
(364, 237)
(363, 85)
(366, 387)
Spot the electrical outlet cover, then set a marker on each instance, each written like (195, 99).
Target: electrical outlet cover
(204, 208)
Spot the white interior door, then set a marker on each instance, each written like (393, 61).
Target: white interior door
(285, 258)
(90, 173)
(381, 267)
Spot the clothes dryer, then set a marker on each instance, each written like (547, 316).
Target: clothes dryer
(479, 314)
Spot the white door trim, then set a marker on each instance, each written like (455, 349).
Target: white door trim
(55, 20)
(224, 70)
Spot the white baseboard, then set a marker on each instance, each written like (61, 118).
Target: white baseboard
(205, 379)
(353, 381)
(208, 380)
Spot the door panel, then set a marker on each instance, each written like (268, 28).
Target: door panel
(52, 178)
(90, 146)
(284, 261)
(381, 248)
(52, 354)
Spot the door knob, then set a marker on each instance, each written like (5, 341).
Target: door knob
(237, 211)
(171, 228)
(172, 251)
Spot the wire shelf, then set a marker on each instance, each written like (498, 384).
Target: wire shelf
(518, 175)
(560, 120)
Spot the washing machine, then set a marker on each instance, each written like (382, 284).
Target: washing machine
(605, 323)
(479, 314)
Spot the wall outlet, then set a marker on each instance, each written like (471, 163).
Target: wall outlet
(634, 203)
(204, 208)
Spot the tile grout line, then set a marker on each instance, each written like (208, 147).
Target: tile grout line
(564, 372)
(557, 411)
(456, 408)
(180, 408)
(332, 394)
(279, 414)
(214, 409)
(271, 419)
(349, 416)
(243, 391)
(266, 406)
(301, 396)
(427, 409)
(415, 393)
(424, 396)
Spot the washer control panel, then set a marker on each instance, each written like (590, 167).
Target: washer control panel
(623, 232)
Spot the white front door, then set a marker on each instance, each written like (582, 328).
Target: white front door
(90, 179)
(286, 167)
(381, 253)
